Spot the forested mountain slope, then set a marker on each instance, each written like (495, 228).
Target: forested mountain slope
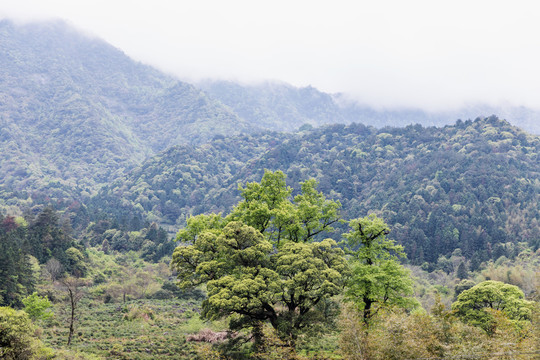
(474, 185)
(277, 106)
(283, 107)
(186, 180)
(77, 114)
(74, 111)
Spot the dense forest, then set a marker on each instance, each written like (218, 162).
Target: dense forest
(142, 217)
(472, 186)
(260, 282)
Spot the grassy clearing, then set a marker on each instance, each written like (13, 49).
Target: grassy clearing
(140, 329)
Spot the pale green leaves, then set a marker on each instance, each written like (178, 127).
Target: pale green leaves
(472, 304)
(367, 240)
(268, 207)
(314, 212)
(377, 277)
(247, 276)
(385, 284)
(310, 272)
(37, 307)
(199, 224)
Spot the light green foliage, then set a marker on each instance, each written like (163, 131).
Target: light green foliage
(367, 239)
(249, 278)
(262, 201)
(37, 307)
(267, 207)
(314, 212)
(17, 339)
(195, 263)
(197, 224)
(242, 282)
(474, 305)
(260, 267)
(377, 277)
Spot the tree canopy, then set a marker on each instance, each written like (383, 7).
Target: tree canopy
(476, 304)
(267, 206)
(259, 264)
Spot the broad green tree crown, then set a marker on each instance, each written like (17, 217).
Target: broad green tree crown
(260, 263)
(267, 206)
(246, 276)
(37, 307)
(476, 304)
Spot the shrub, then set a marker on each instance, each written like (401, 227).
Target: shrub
(139, 313)
(17, 337)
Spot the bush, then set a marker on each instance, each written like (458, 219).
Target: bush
(162, 294)
(17, 337)
(37, 307)
(139, 313)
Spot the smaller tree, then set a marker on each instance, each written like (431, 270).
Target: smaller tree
(37, 307)
(74, 288)
(462, 286)
(462, 271)
(377, 277)
(54, 269)
(75, 262)
(472, 304)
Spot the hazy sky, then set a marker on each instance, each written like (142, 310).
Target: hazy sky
(431, 54)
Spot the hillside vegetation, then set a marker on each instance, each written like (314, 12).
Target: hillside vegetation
(279, 106)
(473, 186)
(76, 112)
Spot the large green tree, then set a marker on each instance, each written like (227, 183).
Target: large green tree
(476, 305)
(259, 263)
(249, 278)
(378, 279)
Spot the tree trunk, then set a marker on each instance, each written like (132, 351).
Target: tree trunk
(258, 336)
(72, 320)
(367, 309)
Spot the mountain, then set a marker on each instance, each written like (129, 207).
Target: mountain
(473, 185)
(76, 112)
(85, 128)
(283, 107)
(277, 106)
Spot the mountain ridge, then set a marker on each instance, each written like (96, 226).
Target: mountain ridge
(272, 102)
(76, 110)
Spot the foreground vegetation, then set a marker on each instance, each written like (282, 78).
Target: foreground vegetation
(262, 282)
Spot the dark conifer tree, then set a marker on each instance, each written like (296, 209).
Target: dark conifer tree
(462, 271)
